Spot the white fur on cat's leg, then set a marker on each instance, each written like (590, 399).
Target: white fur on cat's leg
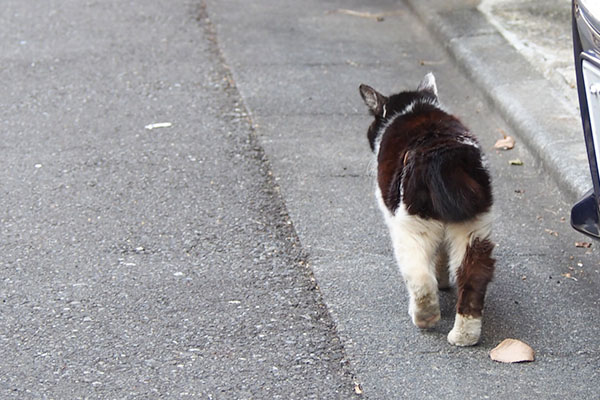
(424, 306)
(425, 310)
(416, 242)
(466, 331)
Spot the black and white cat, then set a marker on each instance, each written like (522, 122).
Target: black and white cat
(435, 193)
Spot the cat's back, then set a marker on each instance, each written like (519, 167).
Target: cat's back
(429, 161)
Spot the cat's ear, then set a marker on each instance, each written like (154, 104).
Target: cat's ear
(428, 84)
(373, 99)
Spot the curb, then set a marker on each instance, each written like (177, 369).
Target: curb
(533, 108)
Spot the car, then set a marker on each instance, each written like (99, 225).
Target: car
(586, 48)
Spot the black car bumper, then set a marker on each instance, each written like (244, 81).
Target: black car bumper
(586, 47)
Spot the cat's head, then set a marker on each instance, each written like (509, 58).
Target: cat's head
(385, 108)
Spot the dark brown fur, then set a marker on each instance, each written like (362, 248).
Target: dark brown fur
(441, 177)
(473, 277)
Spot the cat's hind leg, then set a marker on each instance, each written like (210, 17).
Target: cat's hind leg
(472, 266)
(416, 241)
(441, 267)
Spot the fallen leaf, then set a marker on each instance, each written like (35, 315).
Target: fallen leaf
(585, 245)
(357, 388)
(551, 232)
(512, 351)
(569, 276)
(506, 143)
(515, 162)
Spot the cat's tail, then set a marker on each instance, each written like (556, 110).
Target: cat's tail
(459, 186)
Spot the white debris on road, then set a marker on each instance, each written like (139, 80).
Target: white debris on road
(158, 125)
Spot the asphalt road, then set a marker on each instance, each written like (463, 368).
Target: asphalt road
(142, 263)
(238, 253)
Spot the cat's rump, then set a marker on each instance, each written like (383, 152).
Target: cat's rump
(456, 185)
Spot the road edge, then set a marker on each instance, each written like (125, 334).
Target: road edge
(530, 104)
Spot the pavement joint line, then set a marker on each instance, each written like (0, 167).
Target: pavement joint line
(569, 169)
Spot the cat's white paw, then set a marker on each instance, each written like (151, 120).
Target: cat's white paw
(425, 311)
(466, 331)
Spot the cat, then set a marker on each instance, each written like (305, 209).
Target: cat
(434, 190)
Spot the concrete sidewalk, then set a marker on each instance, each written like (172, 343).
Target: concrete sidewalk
(519, 53)
(297, 67)
(541, 31)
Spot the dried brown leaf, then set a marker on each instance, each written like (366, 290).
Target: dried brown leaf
(569, 276)
(506, 143)
(585, 245)
(512, 351)
(357, 388)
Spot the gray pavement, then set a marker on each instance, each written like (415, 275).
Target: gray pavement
(519, 53)
(297, 67)
(239, 253)
(540, 30)
(136, 263)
